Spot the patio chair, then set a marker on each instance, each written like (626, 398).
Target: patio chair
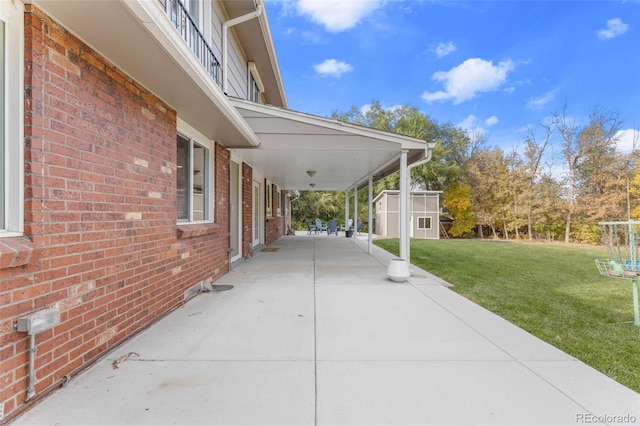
(332, 227)
(319, 226)
(310, 228)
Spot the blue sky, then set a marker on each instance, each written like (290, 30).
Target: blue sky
(495, 67)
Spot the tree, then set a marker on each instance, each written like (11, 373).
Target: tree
(457, 199)
(453, 146)
(485, 174)
(310, 205)
(547, 210)
(533, 153)
(581, 149)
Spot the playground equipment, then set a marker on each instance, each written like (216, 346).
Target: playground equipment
(621, 240)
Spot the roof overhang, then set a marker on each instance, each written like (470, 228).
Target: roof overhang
(138, 38)
(343, 155)
(255, 37)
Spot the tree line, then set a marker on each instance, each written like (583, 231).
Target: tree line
(555, 184)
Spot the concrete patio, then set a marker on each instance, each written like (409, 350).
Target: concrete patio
(313, 333)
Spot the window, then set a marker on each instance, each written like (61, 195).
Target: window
(2, 124)
(424, 223)
(11, 119)
(255, 86)
(194, 181)
(269, 195)
(193, 7)
(279, 208)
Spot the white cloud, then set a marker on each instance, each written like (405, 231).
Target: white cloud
(332, 68)
(491, 121)
(364, 109)
(615, 27)
(443, 49)
(475, 126)
(468, 79)
(337, 15)
(541, 101)
(627, 138)
(469, 123)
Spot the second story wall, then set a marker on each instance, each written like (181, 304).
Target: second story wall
(237, 78)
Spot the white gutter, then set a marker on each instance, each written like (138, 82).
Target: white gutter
(225, 37)
(407, 203)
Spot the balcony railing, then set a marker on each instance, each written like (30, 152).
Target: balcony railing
(183, 22)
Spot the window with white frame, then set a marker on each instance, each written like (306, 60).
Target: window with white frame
(194, 180)
(424, 223)
(11, 119)
(2, 125)
(193, 7)
(255, 87)
(269, 195)
(279, 209)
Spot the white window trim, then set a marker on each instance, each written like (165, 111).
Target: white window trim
(430, 223)
(190, 133)
(12, 13)
(253, 71)
(269, 197)
(254, 77)
(279, 201)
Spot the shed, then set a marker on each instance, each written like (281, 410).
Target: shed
(424, 218)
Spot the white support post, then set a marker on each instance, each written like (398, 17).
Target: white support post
(369, 227)
(355, 212)
(346, 211)
(403, 213)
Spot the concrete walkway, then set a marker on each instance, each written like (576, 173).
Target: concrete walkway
(315, 334)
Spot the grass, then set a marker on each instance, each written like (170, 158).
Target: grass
(553, 291)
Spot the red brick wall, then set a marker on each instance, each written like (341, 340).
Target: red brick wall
(274, 224)
(100, 210)
(247, 209)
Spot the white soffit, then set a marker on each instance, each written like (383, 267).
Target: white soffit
(342, 154)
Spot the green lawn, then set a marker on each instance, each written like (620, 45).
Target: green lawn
(553, 291)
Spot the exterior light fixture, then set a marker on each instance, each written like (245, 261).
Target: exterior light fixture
(39, 321)
(311, 173)
(313, 185)
(33, 324)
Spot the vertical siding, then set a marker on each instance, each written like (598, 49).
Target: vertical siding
(237, 62)
(421, 205)
(237, 82)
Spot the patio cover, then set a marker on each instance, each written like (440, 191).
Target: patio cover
(343, 155)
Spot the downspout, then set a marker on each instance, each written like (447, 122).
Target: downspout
(410, 167)
(225, 37)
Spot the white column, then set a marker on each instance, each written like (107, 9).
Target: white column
(369, 227)
(346, 211)
(355, 212)
(403, 213)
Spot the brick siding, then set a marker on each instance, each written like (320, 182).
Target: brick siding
(101, 242)
(274, 224)
(247, 210)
